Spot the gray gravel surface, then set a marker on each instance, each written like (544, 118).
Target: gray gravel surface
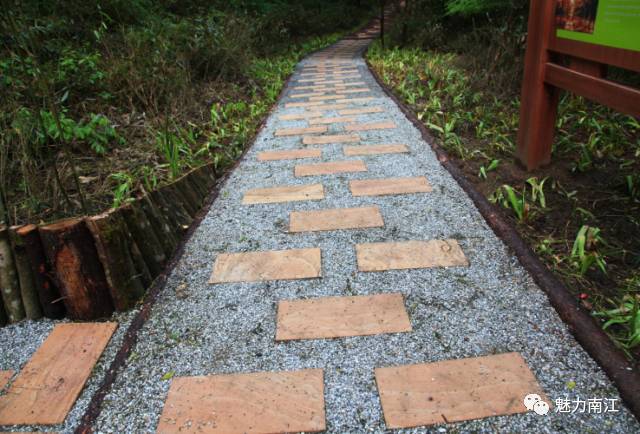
(490, 307)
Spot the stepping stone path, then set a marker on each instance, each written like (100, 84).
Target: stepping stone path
(355, 291)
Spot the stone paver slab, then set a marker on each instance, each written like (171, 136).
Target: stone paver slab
(334, 317)
(335, 219)
(300, 116)
(357, 90)
(335, 138)
(268, 265)
(300, 131)
(327, 97)
(308, 104)
(409, 254)
(455, 390)
(292, 154)
(386, 186)
(356, 100)
(385, 125)
(361, 111)
(375, 149)
(333, 120)
(258, 403)
(287, 193)
(49, 384)
(330, 168)
(328, 107)
(5, 376)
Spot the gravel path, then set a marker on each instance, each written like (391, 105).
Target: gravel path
(490, 307)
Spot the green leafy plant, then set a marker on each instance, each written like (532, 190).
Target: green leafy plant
(537, 191)
(585, 253)
(510, 198)
(625, 318)
(122, 192)
(484, 170)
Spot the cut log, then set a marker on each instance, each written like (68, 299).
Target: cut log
(28, 289)
(172, 204)
(160, 224)
(69, 246)
(145, 237)
(197, 184)
(48, 292)
(189, 196)
(9, 284)
(138, 260)
(108, 230)
(3, 314)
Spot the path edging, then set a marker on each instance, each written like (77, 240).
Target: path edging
(581, 325)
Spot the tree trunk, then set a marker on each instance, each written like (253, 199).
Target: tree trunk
(138, 260)
(48, 293)
(160, 224)
(9, 285)
(28, 289)
(70, 249)
(108, 230)
(172, 204)
(144, 237)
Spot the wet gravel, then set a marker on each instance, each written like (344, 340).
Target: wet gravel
(490, 307)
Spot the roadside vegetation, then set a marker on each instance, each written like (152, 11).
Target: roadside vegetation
(458, 63)
(102, 100)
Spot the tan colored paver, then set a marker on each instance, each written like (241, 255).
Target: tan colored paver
(409, 254)
(326, 97)
(336, 138)
(334, 317)
(374, 149)
(335, 219)
(286, 193)
(455, 390)
(269, 265)
(330, 168)
(307, 94)
(386, 186)
(385, 125)
(300, 116)
(361, 111)
(303, 104)
(293, 154)
(328, 107)
(357, 90)
(300, 131)
(49, 384)
(258, 403)
(5, 376)
(355, 100)
(334, 120)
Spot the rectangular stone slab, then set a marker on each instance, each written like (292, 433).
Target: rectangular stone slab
(360, 111)
(335, 219)
(334, 317)
(304, 104)
(300, 131)
(333, 120)
(269, 265)
(357, 90)
(324, 140)
(292, 154)
(385, 186)
(49, 384)
(5, 376)
(353, 100)
(290, 193)
(327, 107)
(455, 390)
(386, 125)
(329, 168)
(409, 254)
(300, 116)
(258, 403)
(374, 149)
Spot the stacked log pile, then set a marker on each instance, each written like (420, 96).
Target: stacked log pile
(85, 268)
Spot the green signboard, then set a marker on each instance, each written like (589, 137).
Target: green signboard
(614, 23)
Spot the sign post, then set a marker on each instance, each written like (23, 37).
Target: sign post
(570, 44)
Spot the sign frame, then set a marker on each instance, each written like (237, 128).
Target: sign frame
(553, 64)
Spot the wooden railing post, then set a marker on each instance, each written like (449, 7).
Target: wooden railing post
(539, 101)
